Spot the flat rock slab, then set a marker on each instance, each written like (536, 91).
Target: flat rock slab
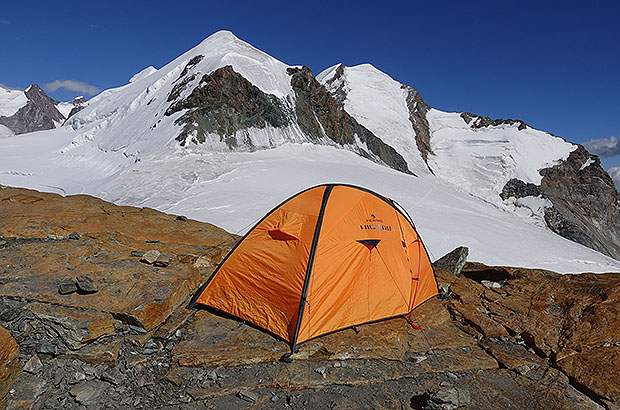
(74, 326)
(137, 293)
(212, 341)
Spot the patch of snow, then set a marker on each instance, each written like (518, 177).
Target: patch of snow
(586, 164)
(5, 132)
(11, 101)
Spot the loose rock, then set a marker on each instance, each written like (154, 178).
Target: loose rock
(150, 257)
(247, 396)
(163, 260)
(33, 365)
(453, 261)
(86, 285)
(68, 287)
(74, 236)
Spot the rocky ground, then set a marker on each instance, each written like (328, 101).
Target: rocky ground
(90, 318)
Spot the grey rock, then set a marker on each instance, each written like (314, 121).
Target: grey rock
(84, 393)
(181, 218)
(449, 399)
(453, 261)
(86, 285)
(33, 365)
(163, 260)
(74, 236)
(478, 121)
(417, 116)
(112, 376)
(248, 396)
(39, 113)
(67, 287)
(48, 348)
(150, 257)
(153, 241)
(446, 384)
(137, 254)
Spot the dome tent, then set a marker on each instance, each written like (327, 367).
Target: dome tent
(328, 258)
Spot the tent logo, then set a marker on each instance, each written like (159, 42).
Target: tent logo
(375, 224)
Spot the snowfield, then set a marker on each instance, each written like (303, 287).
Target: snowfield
(122, 148)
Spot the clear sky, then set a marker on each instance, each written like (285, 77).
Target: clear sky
(555, 65)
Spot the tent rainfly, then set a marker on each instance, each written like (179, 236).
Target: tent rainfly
(328, 258)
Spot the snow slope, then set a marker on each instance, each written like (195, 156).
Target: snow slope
(378, 102)
(11, 101)
(478, 161)
(121, 147)
(234, 189)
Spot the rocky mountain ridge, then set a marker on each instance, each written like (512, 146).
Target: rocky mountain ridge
(39, 111)
(496, 337)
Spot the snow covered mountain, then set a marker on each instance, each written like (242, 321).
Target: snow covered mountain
(505, 162)
(29, 110)
(225, 132)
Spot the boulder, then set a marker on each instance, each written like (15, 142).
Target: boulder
(452, 261)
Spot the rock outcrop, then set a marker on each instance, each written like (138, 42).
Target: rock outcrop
(223, 103)
(319, 115)
(534, 340)
(478, 121)
(586, 203)
(417, 116)
(39, 113)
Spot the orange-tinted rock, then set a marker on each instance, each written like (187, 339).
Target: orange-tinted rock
(137, 293)
(9, 362)
(597, 369)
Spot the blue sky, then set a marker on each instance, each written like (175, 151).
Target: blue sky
(555, 65)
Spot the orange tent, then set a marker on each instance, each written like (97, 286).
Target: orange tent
(331, 257)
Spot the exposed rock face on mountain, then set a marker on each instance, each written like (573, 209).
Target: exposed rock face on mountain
(223, 103)
(40, 113)
(586, 207)
(417, 115)
(500, 337)
(319, 115)
(478, 121)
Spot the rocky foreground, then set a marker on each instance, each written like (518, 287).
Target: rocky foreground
(91, 318)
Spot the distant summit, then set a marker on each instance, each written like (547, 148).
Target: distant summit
(33, 110)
